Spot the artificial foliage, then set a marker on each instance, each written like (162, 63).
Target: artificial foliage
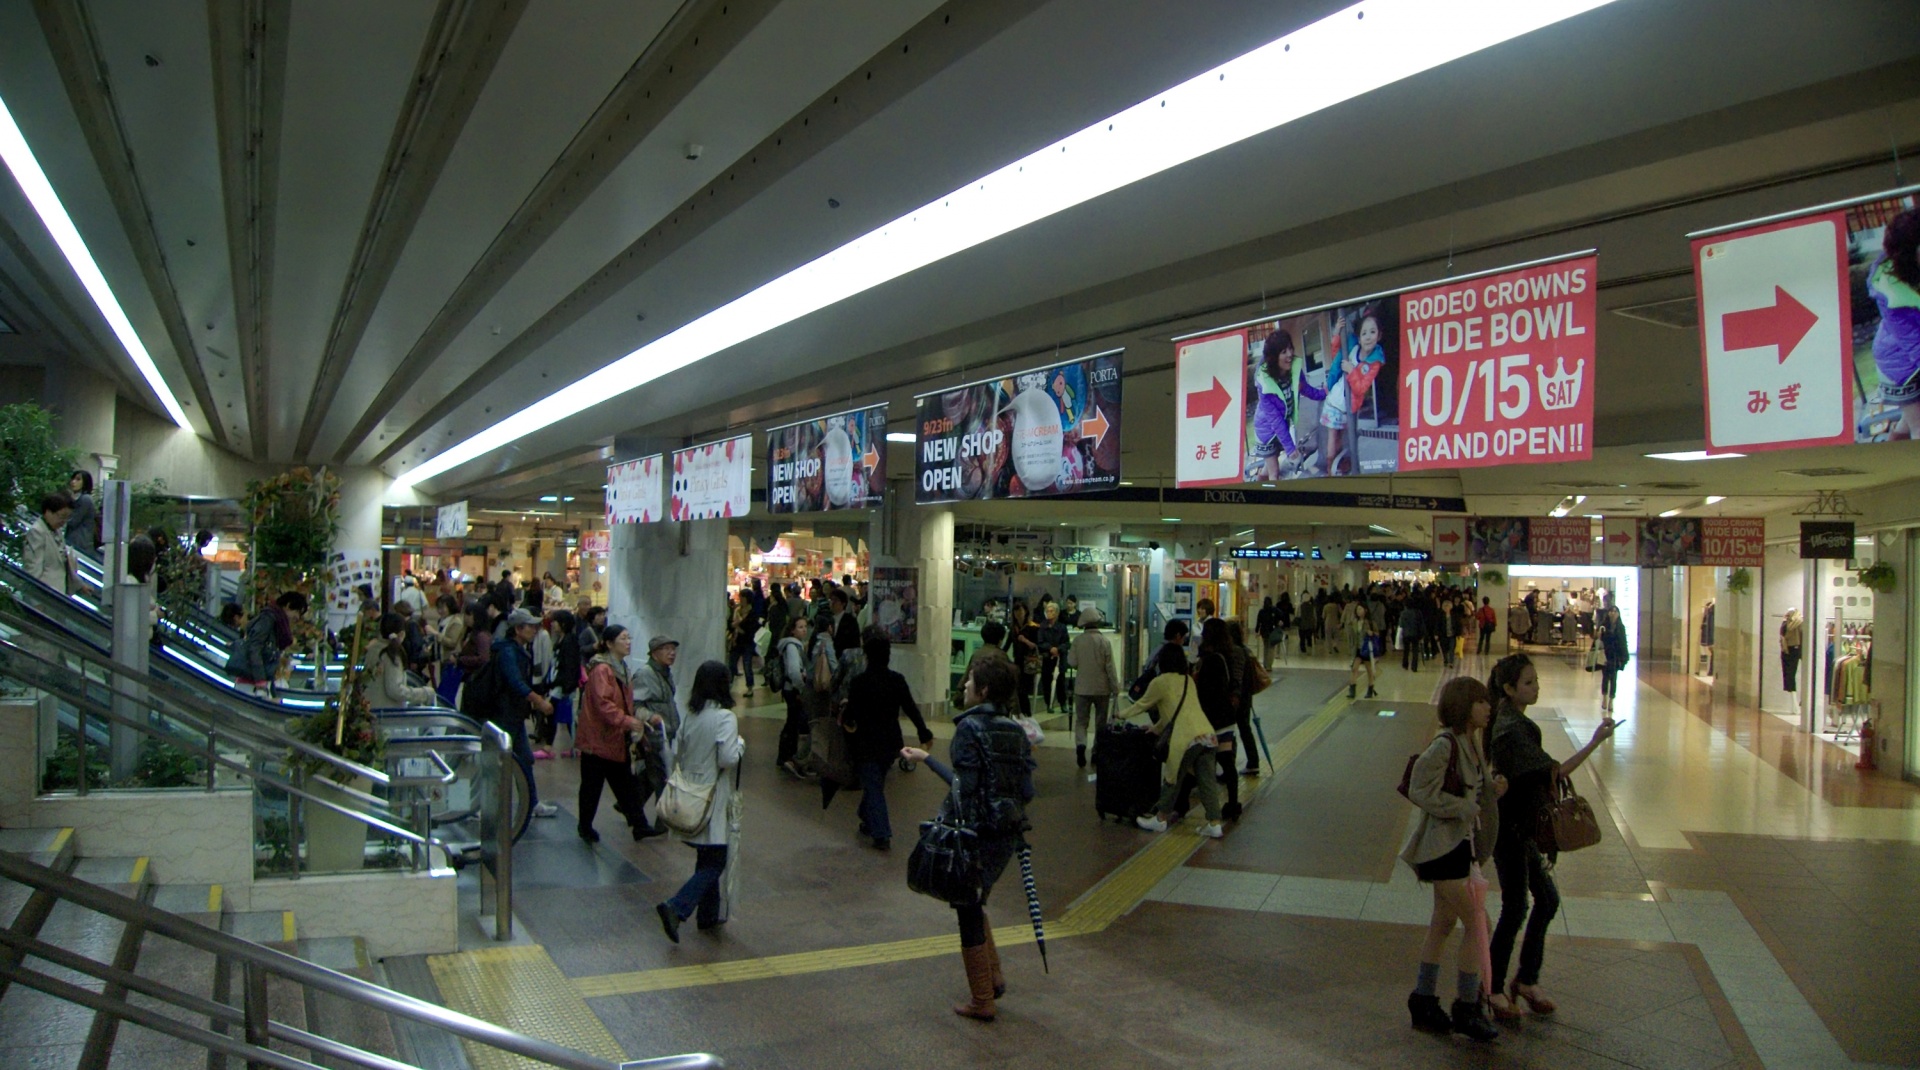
(32, 462)
(1740, 581)
(346, 727)
(292, 519)
(1879, 578)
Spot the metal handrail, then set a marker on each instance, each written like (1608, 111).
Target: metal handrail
(258, 962)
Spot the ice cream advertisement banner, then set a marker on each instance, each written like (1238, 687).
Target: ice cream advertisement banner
(1041, 433)
(830, 463)
(633, 491)
(1499, 368)
(712, 481)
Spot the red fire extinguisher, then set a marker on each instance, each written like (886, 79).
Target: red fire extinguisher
(1867, 735)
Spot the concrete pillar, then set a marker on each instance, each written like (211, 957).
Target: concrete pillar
(670, 578)
(83, 403)
(923, 539)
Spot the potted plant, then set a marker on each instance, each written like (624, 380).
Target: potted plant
(1879, 578)
(1493, 577)
(1740, 580)
(346, 727)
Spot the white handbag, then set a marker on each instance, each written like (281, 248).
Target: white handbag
(685, 807)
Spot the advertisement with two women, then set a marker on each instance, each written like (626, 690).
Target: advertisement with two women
(1322, 391)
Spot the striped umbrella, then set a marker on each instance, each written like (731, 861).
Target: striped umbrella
(1033, 905)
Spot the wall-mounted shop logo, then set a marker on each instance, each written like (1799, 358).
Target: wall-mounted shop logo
(1562, 390)
(1827, 539)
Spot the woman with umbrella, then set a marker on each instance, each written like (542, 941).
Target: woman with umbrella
(993, 764)
(1457, 794)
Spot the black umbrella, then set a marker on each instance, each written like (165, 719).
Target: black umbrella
(828, 789)
(1033, 905)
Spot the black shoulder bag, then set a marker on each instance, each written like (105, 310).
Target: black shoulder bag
(946, 863)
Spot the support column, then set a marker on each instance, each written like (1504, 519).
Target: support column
(83, 402)
(670, 578)
(924, 540)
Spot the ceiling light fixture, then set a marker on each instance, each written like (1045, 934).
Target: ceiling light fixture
(1692, 455)
(1716, 499)
(1671, 512)
(901, 436)
(33, 182)
(1304, 72)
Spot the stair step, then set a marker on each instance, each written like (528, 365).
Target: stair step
(47, 847)
(196, 901)
(117, 872)
(344, 1020)
(41, 1029)
(263, 926)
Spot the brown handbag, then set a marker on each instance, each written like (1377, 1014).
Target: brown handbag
(1566, 821)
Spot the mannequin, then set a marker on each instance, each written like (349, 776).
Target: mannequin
(1792, 639)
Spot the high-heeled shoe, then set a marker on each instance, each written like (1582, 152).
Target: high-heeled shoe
(1503, 1008)
(1536, 1002)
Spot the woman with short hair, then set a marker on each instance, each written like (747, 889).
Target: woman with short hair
(1457, 794)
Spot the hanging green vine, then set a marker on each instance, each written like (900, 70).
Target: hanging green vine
(292, 520)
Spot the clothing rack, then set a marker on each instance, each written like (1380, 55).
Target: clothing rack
(1850, 682)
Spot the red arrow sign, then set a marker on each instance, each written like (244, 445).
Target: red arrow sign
(1212, 401)
(1783, 323)
(1619, 536)
(1094, 425)
(1449, 538)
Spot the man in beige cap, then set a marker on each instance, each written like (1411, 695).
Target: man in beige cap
(653, 692)
(1095, 681)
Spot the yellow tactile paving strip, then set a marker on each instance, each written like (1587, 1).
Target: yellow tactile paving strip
(520, 988)
(1106, 902)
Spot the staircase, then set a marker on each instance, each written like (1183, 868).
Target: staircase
(41, 1030)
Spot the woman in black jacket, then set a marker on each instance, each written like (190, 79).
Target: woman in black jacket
(876, 700)
(1023, 648)
(1219, 691)
(994, 765)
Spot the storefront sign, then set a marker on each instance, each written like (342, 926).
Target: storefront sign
(1779, 345)
(830, 463)
(1040, 433)
(1826, 539)
(1254, 553)
(633, 491)
(1193, 570)
(1668, 541)
(1499, 368)
(596, 542)
(1565, 540)
(1733, 541)
(713, 481)
(894, 599)
(1304, 394)
(450, 521)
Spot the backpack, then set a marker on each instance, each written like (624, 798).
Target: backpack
(480, 692)
(775, 670)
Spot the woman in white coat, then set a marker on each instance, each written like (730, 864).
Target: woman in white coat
(709, 744)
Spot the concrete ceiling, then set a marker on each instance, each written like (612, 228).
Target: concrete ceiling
(359, 231)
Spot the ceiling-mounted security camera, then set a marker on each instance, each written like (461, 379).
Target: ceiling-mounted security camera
(694, 149)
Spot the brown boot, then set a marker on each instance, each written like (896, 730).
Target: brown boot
(979, 962)
(993, 957)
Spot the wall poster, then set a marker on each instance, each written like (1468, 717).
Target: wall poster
(829, 463)
(713, 481)
(893, 597)
(1041, 433)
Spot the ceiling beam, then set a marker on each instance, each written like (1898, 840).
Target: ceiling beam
(466, 40)
(680, 56)
(83, 71)
(67, 336)
(249, 48)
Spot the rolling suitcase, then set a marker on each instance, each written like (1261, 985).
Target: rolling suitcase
(1127, 775)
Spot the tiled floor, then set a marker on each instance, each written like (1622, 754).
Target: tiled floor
(1734, 914)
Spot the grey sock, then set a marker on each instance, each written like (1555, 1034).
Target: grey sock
(1429, 981)
(1467, 988)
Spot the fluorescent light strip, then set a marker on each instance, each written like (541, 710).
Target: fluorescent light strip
(1693, 455)
(1343, 56)
(33, 182)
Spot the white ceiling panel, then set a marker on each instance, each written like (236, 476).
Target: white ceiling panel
(349, 66)
(564, 58)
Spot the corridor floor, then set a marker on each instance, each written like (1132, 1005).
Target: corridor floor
(1733, 914)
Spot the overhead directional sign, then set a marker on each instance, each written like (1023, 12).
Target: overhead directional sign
(1210, 414)
(1450, 539)
(1776, 334)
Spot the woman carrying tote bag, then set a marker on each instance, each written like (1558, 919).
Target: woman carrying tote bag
(709, 743)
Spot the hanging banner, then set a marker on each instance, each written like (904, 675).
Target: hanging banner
(894, 598)
(1040, 433)
(633, 491)
(1512, 540)
(1669, 541)
(450, 521)
(1500, 368)
(598, 543)
(829, 463)
(1301, 395)
(1809, 336)
(713, 481)
(1620, 540)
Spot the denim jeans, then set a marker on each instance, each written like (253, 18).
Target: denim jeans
(1522, 869)
(873, 799)
(702, 890)
(1198, 764)
(516, 729)
(743, 658)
